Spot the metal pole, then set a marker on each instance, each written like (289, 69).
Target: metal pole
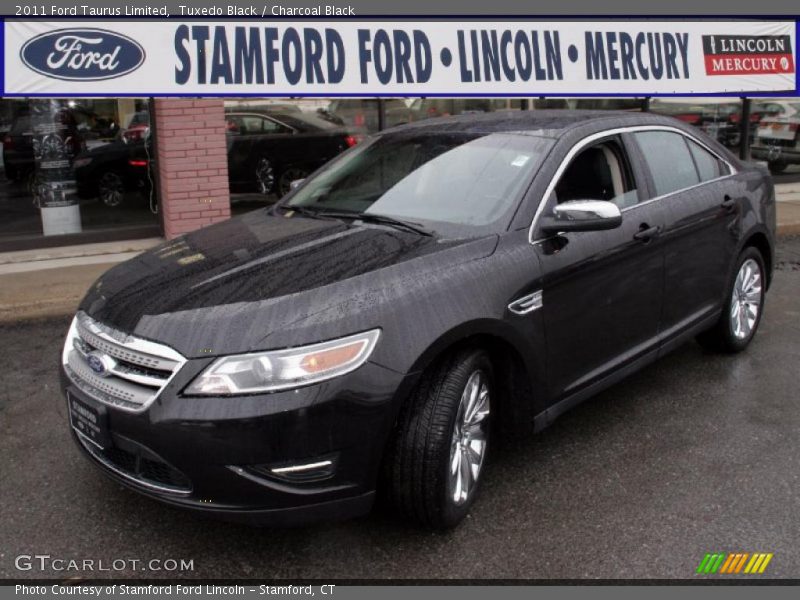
(744, 130)
(381, 114)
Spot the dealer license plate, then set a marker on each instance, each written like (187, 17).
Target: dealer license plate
(90, 420)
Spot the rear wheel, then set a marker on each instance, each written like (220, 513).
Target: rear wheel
(111, 189)
(439, 450)
(287, 177)
(743, 307)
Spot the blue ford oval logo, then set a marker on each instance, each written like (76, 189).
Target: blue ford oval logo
(84, 54)
(100, 363)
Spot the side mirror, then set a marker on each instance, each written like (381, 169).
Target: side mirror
(582, 215)
(293, 185)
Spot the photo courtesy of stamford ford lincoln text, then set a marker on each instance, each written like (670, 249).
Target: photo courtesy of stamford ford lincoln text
(347, 299)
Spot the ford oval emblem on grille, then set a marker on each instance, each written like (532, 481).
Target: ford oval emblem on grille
(101, 364)
(84, 54)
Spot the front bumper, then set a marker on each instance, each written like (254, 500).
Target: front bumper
(217, 455)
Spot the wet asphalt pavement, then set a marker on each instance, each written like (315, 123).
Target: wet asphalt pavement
(697, 453)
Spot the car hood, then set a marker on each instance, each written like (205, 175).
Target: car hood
(225, 288)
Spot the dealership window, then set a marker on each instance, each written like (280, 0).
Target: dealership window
(75, 170)
(273, 142)
(80, 170)
(718, 117)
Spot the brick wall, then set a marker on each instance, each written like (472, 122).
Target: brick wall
(192, 163)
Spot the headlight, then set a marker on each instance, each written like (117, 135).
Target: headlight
(81, 162)
(284, 369)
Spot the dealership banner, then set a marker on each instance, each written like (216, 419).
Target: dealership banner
(349, 57)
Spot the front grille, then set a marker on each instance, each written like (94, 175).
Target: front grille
(116, 368)
(147, 470)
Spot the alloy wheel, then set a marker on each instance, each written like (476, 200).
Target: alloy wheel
(746, 299)
(469, 440)
(265, 176)
(288, 176)
(111, 190)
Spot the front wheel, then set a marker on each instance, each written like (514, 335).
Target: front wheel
(439, 449)
(743, 308)
(265, 176)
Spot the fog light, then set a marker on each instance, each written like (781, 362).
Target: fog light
(312, 470)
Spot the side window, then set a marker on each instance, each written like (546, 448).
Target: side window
(668, 159)
(708, 165)
(257, 125)
(600, 172)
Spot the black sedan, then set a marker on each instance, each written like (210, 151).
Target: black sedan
(269, 149)
(109, 171)
(436, 287)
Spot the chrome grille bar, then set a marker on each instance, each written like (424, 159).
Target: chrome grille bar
(134, 370)
(92, 334)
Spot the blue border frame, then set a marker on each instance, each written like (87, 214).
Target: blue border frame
(532, 94)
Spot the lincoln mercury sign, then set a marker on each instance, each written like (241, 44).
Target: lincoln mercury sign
(408, 58)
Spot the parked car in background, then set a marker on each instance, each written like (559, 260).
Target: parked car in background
(138, 127)
(361, 115)
(776, 139)
(110, 171)
(440, 286)
(426, 108)
(720, 120)
(268, 150)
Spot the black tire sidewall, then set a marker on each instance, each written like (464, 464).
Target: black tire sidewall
(731, 340)
(453, 513)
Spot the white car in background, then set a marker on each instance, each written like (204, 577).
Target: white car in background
(776, 140)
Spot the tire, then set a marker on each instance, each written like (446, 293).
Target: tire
(430, 440)
(743, 308)
(287, 177)
(777, 166)
(111, 189)
(264, 176)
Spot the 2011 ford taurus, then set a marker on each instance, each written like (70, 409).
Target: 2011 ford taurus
(428, 292)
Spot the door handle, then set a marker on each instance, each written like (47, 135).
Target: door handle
(728, 204)
(646, 233)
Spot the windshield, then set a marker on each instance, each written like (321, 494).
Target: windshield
(463, 179)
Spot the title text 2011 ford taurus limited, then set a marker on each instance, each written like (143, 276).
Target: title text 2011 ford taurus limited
(432, 289)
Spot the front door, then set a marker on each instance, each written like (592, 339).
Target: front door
(602, 290)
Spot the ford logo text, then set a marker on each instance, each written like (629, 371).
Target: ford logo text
(85, 54)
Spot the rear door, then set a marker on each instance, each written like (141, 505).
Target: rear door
(601, 290)
(700, 202)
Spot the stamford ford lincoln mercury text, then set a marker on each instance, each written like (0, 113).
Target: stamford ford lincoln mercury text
(430, 291)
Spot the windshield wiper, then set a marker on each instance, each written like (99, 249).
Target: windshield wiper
(379, 219)
(322, 213)
(307, 211)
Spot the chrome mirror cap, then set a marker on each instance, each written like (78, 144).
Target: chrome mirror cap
(582, 215)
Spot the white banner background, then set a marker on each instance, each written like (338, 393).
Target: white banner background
(163, 55)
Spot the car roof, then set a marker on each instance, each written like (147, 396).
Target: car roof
(549, 123)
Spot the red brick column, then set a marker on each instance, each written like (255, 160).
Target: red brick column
(192, 163)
